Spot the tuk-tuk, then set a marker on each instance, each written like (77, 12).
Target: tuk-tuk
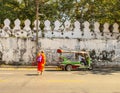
(69, 60)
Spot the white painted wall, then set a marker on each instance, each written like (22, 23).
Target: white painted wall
(14, 49)
(18, 45)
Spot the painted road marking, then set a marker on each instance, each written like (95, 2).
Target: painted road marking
(17, 68)
(3, 80)
(6, 73)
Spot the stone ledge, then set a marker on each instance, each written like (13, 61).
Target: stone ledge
(10, 66)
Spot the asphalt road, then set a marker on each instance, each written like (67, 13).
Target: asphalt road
(56, 81)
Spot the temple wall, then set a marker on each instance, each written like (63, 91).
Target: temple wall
(18, 45)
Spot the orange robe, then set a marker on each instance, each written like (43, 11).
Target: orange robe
(40, 65)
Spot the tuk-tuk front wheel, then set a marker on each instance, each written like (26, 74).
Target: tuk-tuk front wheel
(68, 67)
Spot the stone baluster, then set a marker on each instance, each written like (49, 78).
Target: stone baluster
(17, 23)
(47, 29)
(97, 31)
(27, 25)
(67, 33)
(67, 25)
(57, 29)
(57, 25)
(115, 30)
(86, 30)
(6, 31)
(106, 31)
(27, 29)
(17, 28)
(77, 31)
(34, 28)
(39, 29)
(47, 26)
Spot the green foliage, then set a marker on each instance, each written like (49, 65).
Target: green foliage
(81, 10)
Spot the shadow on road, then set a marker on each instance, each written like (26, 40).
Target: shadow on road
(105, 71)
(31, 74)
(99, 71)
(54, 70)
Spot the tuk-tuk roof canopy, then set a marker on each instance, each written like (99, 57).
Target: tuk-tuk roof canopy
(79, 52)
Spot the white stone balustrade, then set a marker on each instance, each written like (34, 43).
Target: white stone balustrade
(60, 30)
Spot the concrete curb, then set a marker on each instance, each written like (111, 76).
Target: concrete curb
(6, 67)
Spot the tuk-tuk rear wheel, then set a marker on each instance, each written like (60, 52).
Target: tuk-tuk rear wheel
(68, 68)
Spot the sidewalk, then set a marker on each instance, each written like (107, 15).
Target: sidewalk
(10, 67)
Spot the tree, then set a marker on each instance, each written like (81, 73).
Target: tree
(81, 10)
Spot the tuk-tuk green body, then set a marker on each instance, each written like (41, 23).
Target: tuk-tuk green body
(70, 63)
